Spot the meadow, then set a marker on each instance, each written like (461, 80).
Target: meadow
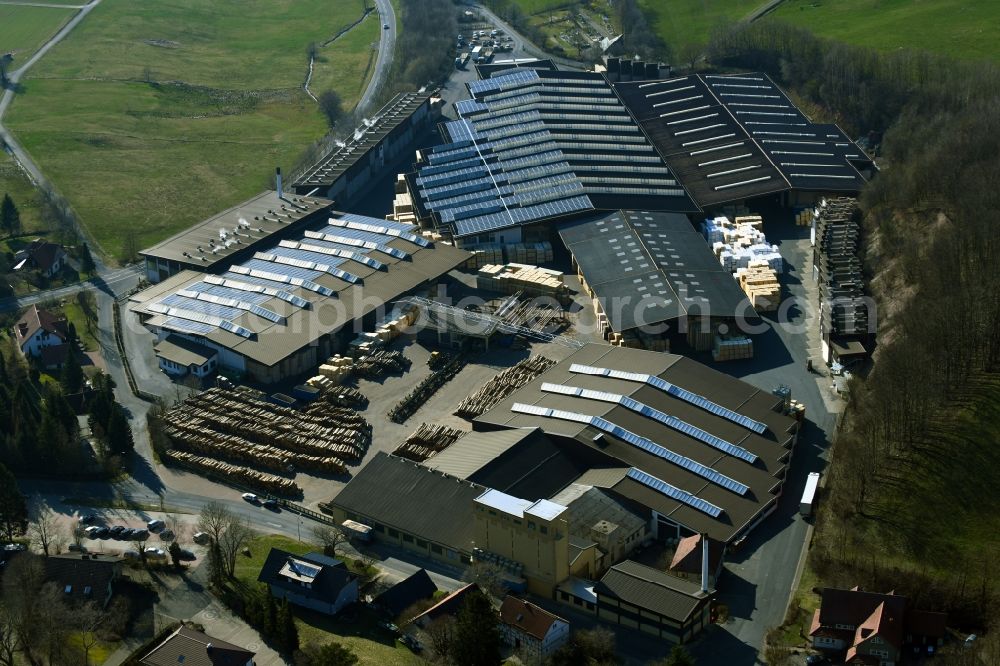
(23, 29)
(152, 116)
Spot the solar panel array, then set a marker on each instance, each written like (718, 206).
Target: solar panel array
(673, 492)
(675, 391)
(639, 442)
(655, 414)
(215, 302)
(533, 145)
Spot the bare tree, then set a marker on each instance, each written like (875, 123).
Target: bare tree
(441, 633)
(236, 535)
(44, 532)
(330, 537)
(213, 520)
(76, 535)
(489, 578)
(88, 619)
(10, 639)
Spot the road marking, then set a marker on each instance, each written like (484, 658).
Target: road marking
(274, 524)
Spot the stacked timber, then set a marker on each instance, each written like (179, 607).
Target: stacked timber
(760, 283)
(483, 255)
(731, 348)
(700, 335)
(381, 363)
(530, 253)
(412, 401)
(427, 440)
(336, 369)
(502, 385)
(513, 278)
(804, 218)
(402, 203)
(242, 476)
(341, 396)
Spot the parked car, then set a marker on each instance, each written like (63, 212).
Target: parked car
(187, 556)
(411, 642)
(91, 531)
(815, 659)
(155, 525)
(201, 537)
(76, 548)
(102, 533)
(139, 534)
(155, 553)
(87, 518)
(249, 497)
(385, 26)
(270, 503)
(167, 535)
(116, 531)
(14, 547)
(131, 555)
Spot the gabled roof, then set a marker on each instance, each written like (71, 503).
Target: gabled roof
(407, 592)
(651, 589)
(43, 254)
(450, 605)
(687, 557)
(869, 612)
(35, 319)
(187, 647)
(327, 577)
(527, 617)
(82, 577)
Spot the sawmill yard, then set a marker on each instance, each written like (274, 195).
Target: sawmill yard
(199, 101)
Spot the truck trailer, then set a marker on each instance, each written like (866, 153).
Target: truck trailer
(808, 502)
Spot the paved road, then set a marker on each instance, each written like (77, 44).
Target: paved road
(386, 47)
(117, 280)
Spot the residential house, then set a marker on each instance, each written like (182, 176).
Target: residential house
(532, 631)
(405, 593)
(652, 601)
(312, 581)
(187, 647)
(84, 577)
(38, 330)
(871, 627)
(687, 559)
(45, 257)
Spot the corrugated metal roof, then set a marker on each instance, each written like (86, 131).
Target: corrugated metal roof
(475, 450)
(651, 589)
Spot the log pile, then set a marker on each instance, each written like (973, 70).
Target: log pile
(405, 408)
(243, 476)
(340, 396)
(502, 386)
(427, 440)
(381, 363)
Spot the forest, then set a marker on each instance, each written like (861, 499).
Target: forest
(911, 504)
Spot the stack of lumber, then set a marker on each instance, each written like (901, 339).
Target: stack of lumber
(797, 410)
(381, 363)
(512, 278)
(530, 253)
(340, 396)
(410, 403)
(502, 386)
(731, 348)
(242, 476)
(482, 255)
(804, 218)
(336, 369)
(699, 336)
(738, 243)
(760, 283)
(402, 203)
(427, 440)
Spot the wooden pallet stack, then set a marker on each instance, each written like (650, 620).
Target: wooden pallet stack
(653, 342)
(427, 440)
(700, 335)
(760, 283)
(804, 218)
(512, 278)
(243, 476)
(731, 348)
(530, 253)
(381, 363)
(502, 385)
(336, 369)
(402, 203)
(483, 255)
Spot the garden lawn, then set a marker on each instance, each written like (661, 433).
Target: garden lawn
(356, 52)
(150, 117)
(24, 29)
(16, 184)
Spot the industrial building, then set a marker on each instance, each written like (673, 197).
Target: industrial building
(563, 479)
(380, 141)
(653, 274)
(289, 303)
(531, 147)
(228, 237)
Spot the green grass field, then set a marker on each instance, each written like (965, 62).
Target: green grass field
(953, 27)
(152, 116)
(23, 29)
(16, 184)
(539, 6)
(373, 645)
(691, 21)
(354, 52)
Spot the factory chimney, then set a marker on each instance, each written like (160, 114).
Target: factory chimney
(704, 563)
(277, 180)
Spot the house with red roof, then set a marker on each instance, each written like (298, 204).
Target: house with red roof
(533, 631)
(45, 257)
(871, 628)
(687, 559)
(41, 334)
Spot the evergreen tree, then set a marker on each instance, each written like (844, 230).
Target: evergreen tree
(287, 633)
(477, 637)
(679, 657)
(271, 619)
(71, 336)
(175, 554)
(87, 260)
(119, 431)
(10, 218)
(72, 373)
(13, 508)
(215, 565)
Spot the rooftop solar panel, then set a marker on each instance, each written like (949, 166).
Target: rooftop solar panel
(673, 492)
